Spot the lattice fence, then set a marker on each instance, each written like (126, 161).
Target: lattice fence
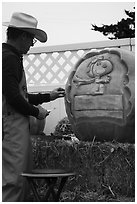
(50, 68)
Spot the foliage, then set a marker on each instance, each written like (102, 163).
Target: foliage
(63, 127)
(123, 29)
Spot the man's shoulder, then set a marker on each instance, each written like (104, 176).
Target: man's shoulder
(7, 53)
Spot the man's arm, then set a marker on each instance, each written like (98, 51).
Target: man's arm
(37, 99)
(10, 87)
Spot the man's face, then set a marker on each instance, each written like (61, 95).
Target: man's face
(27, 42)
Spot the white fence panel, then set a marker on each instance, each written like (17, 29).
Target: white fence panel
(133, 44)
(49, 67)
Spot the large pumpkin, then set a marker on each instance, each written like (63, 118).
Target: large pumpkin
(100, 96)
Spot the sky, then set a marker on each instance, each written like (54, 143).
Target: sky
(68, 22)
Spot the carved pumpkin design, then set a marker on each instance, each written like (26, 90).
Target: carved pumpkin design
(100, 96)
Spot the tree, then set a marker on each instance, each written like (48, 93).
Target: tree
(123, 29)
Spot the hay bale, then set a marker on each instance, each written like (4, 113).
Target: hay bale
(106, 168)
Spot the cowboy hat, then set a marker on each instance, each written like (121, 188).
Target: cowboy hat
(26, 23)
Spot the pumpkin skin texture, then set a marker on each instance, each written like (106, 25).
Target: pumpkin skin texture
(36, 126)
(100, 96)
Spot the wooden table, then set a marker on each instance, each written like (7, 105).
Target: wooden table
(50, 177)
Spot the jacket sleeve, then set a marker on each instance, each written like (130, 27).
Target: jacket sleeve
(37, 99)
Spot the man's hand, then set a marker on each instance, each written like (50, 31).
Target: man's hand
(57, 93)
(43, 113)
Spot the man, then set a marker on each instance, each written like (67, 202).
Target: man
(18, 105)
